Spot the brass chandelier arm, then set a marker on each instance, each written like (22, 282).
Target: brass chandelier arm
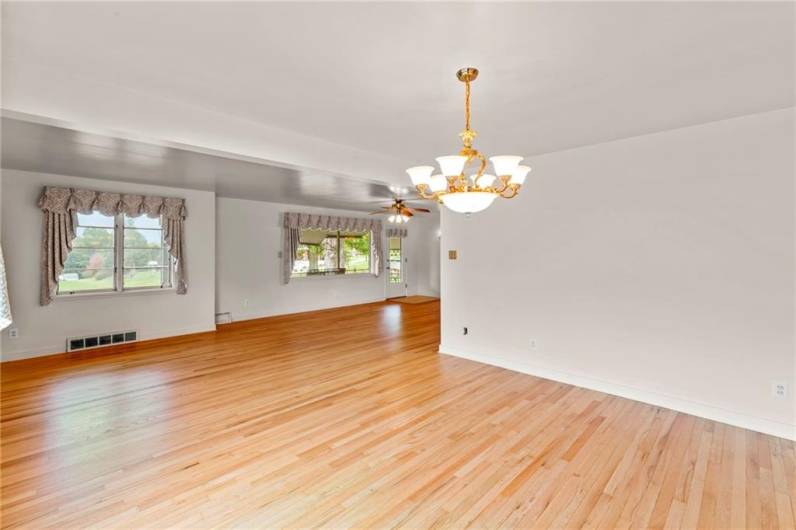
(421, 188)
(515, 190)
(504, 180)
(481, 169)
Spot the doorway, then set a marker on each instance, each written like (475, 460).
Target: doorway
(396, 268)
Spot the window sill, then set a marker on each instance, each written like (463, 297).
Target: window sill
(111, 294)
(332, 276)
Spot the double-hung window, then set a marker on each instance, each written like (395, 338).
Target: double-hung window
(116, 253)
(322, 252)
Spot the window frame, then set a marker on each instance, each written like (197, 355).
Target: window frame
(118, 265)
(339, 255)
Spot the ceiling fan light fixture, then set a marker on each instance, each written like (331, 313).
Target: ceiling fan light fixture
(469, 193)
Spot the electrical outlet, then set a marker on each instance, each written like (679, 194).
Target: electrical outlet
(779, 389)
(13, 333)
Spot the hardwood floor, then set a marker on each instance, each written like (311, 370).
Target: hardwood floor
(349, 417)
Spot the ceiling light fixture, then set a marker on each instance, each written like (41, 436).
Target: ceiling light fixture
(469, 194)
(400, 211)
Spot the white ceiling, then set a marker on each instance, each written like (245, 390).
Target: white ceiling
(365, 89)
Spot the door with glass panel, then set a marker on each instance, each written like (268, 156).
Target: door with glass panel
(396, 268)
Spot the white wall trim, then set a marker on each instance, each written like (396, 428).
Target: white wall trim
(687, 406)
(256, 315)
(55, 349)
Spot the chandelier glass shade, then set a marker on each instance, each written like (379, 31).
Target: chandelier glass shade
(476, 191)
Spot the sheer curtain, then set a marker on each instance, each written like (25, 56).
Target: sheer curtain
(5, 304)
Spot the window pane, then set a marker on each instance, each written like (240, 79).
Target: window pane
(145, 277)
(316, 258)
(90, 264)
(143, 238)
(93, 238)
(85, 259)
(81, 280)
(301, 265)
(144, 257)
(95, 219)
(356, 253)
(142, 222)
(394, 260)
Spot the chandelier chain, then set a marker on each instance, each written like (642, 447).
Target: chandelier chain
(467, 106)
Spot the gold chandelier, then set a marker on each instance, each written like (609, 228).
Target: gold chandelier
(469, 193)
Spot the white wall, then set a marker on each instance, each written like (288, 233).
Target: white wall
(43, 330)
(660, 268)
(249, 239)
(423, 239)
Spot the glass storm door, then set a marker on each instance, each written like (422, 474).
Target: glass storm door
(396, 269)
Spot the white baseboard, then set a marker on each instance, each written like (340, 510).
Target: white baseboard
(254, 315)
(703, 410)
(60, 347)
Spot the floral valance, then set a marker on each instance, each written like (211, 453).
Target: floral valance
(331, 222)
(62, 200)
(396, 232)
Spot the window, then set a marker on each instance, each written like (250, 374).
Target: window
(116, 253)
(325, 253)
(394, 260)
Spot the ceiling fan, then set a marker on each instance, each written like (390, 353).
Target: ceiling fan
(400, 211)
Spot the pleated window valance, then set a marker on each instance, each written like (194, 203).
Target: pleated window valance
(396, 232)
(62, 200)
(60, 207)
(331, 222)
(293, 223)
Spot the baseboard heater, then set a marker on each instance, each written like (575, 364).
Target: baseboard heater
(98, 341)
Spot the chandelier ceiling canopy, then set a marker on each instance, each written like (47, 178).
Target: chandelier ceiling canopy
(471, 193)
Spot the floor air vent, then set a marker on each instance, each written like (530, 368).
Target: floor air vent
(97, 341)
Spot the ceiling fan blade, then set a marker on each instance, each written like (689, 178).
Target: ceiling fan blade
(421, 209)
(407, 212)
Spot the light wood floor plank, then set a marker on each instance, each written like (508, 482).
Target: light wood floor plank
(350, 418)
